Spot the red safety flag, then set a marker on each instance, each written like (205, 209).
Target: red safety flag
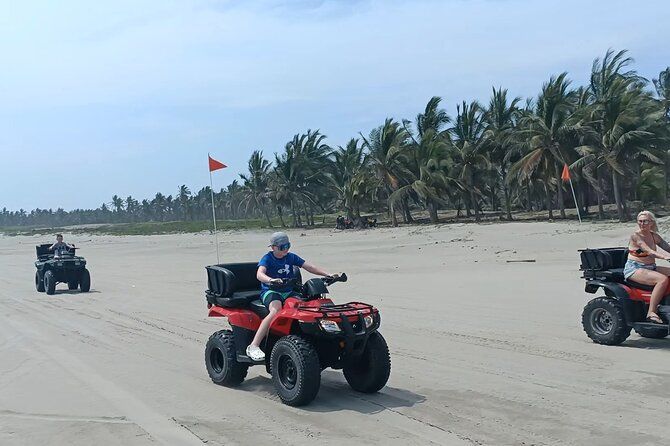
(565, 176)
(214, 164)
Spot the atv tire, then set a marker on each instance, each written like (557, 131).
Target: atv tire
(84, 281)
(221, 360)
(49, 282)
(39, 282)
(604, 321)
(369, 371)
(652, 332)
(72, 285)
(296, 372)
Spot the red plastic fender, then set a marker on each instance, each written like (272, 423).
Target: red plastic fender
(236, 316)
(642, 295)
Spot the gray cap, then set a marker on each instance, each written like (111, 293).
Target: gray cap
(278, 239)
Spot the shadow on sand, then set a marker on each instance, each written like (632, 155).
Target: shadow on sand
(648, 343)
(336, 395)
(74, 292)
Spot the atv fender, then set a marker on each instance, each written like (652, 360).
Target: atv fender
(614, 290)
(617, 292)
(236, 316)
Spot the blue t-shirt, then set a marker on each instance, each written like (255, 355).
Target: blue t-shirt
(280, 268)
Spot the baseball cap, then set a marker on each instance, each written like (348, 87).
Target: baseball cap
(278, 239)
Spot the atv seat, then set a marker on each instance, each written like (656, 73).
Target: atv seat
(257, 307)
(232, 284)
(607, 264)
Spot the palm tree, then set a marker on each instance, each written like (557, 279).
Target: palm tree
(426, 158)
(546, 135)
(620, 122)
(117, 203)
(184, 202)
(470, 161)
(384, 145)
(499, 138)
(255, 185)
(662, 85)
(351, 178)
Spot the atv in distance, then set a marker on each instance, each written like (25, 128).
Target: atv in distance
(65, 268)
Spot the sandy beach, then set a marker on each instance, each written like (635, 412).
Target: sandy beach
(483, 351)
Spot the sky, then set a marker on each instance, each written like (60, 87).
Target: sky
(128, 97)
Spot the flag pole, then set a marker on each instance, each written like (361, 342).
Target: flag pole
(216, 234)
(574, 197)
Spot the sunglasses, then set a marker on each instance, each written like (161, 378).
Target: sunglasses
(283, 247)
(644, 222)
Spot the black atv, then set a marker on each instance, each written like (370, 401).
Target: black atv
(65, 268)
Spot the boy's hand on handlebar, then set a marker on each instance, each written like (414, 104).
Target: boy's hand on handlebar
(276, 282)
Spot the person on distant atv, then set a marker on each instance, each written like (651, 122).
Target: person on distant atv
(60, 247)
(276, 266)
(641, 265)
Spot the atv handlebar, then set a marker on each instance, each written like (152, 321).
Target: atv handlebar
(283, 283)
(329, 280)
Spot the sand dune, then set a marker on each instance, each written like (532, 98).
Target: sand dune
(483, 351)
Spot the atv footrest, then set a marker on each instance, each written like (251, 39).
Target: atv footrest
(651, 325)
(248, 360)
(664, 310)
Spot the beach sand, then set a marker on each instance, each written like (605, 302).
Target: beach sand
(483, 351)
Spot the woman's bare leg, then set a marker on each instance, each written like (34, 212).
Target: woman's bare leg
(660, 282)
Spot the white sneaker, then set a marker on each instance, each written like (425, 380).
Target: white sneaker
(255, 353)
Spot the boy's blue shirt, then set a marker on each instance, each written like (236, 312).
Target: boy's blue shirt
(280, 268)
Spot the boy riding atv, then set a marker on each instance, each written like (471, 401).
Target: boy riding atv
(298, 329)
(277, 266)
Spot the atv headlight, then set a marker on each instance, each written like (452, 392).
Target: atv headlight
(369, 320)
(329, 326)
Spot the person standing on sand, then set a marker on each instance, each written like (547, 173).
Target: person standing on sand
(275, 266)
(641, 264)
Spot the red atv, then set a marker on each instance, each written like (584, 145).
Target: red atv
(309, 334)
(609, 319)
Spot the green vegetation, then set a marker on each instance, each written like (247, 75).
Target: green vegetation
(500, 160)
(143, 228)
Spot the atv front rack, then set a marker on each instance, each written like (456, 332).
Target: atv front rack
(336, 310)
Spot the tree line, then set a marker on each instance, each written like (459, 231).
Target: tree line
(498, 158)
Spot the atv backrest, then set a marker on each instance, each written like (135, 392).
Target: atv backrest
(223, 280)
(228, 278)
(601, 259)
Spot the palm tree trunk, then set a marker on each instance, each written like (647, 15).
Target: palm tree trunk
(617, 195)
(432, 210)
(281, 216)
(508, 203)
(601, 211)
(548, 195)
(408, 214)
(295, 215)
(267, 216)
(394, 218)
(475, 206)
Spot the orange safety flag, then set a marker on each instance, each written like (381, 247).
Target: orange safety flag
(565, 176)
(214, 164)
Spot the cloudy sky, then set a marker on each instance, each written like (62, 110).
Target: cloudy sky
(128, 97)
